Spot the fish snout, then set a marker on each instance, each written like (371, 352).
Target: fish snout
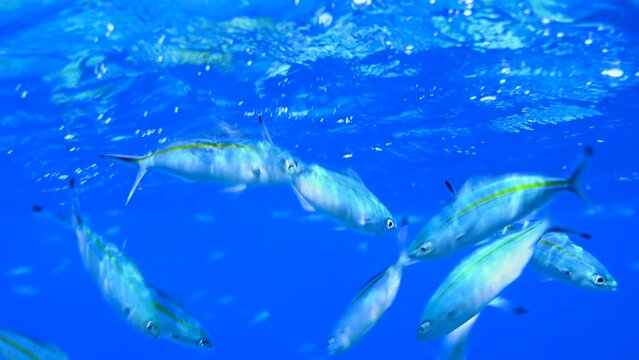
(204, 343)
(424, 329)
(424, 249)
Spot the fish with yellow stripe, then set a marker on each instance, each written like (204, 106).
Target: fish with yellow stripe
(368, 306)
(486, 205)
(124, 288)
(16, 346)
(344, 197)
(479, 278)
(235, 163)
(560, 258)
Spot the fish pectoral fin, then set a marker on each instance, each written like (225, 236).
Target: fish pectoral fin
(505, 304)
(305, 204)
(236, 189)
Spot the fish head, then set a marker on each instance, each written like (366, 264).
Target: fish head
(340, 341)
(189, 333)
(380, 224)
(599, 279)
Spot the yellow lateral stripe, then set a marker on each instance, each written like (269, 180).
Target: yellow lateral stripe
(480, 260)
(197, 146)
(504, 192)
(563, 250)
(100, 245)
(19, 348)
(371, 283)
(168, 313)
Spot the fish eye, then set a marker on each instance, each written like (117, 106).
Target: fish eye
(175, 336)
(424, 327)
(204, 343)
(390, 224)
(426, 248)
(598, 279)
(150, 326)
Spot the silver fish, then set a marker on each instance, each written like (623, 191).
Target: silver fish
(259, 163)
(15, 346)
(344, 197)
(119, 279)
(478, 279)
(365, 310)
(560, 258)
(123, 286)
(486, 205)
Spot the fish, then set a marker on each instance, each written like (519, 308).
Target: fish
(343, 197)
(117, 276)
(16, 346)
(176, 324)
(370, 303)
(558, 257)
(236, 163)
(485, 205)
(121, 283)
(479, 278)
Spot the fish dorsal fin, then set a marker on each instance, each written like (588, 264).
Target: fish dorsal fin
(221, 131)
(450, 187)
(354, 179)
(266, 136)
(351, 173)
(370, 283)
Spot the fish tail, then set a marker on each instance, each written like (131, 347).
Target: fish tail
(402, 236)
(130, 159)
(76, 217)
(574, 182)
(125, 158)
(568, 231)
(265, 134)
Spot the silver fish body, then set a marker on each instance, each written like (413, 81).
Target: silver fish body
(477, 280)
(259, 163)
(119, 280)
(15, 346)
(560, 258)
(486, 205)
(366, 309)
(345, 198)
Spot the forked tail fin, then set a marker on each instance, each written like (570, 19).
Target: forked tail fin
(575, 179)
(130, 159)
(402, 243)
(265, 133)
(76, 218)
(125, 158)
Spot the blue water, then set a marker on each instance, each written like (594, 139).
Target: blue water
(408, 94)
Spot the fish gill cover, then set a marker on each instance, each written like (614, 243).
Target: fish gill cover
(394, 97)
